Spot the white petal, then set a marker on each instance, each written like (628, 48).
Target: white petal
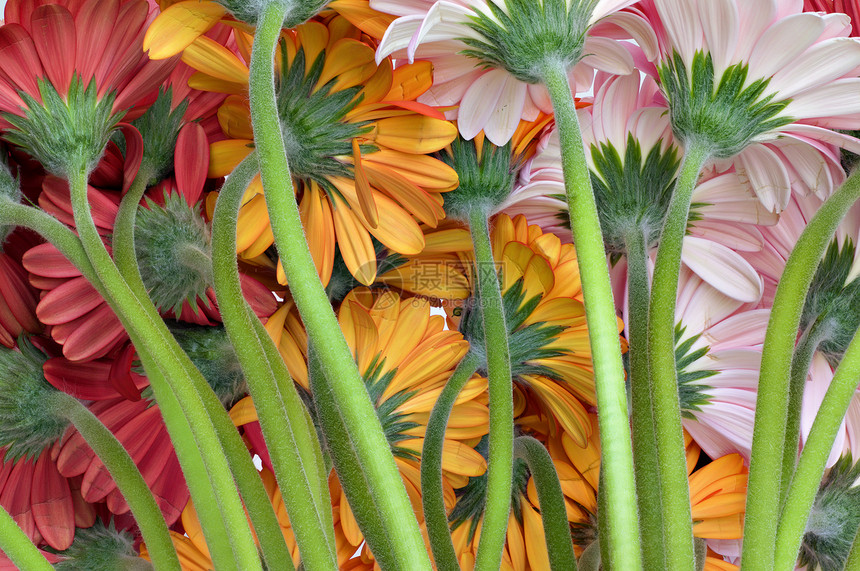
(444, 21)
(824, 135)
(745, 329)
(765, 173)
(720, 24)
(701, 305)
(836, 98)
(782, 42)
(607, 55)
(808, 164)
(606, 7)
(492, 103)
(822, 63)
(754, 18)
(722, 268)
(398, 35)
(622, 25)
(738, 237)
(682, 25)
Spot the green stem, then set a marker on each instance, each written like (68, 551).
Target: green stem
(124, 472)
(156, 341)
(500, 464)
(187, 451)
(674, 486)
(813, 459)
(616, 449)
(18, 547)
(365, 508)
(272, 544)
(762, 509)
(806, 346)
(645, 457)
(359, 416)
(433, 501)
(556, 529)
(282, 414)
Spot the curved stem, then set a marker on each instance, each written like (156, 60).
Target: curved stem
(622, 521)
(762, 509)
(433, 501)
(128, 478)
(813, 460)
(18, 547)
(500, 464)
(350, 396)
(556, 529)
(156, 341)
(353, 480)
(674, 486)
(806, 347)
(282, 413)
(645, 457)
(853, 561)
(272, 544)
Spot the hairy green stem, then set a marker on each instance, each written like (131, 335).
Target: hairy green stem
(813, 459)
(674, 486)
(762, 509)
(646, 461)
(18, 547)
(622, 524)
(282, 413)
(146, 333)
(433, 501)
(272, 544)
(800, 363)
(500, 464)
(353, 480)
(556, 529)
(347, 389)
(124, 472)
(853, 561)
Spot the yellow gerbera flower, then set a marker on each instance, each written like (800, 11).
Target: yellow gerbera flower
(356, 138)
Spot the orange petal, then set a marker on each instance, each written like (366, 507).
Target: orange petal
(410, 81)
(253, 223)
(350, 61)
(418, 202)
(234, 116)
(315, 212)
(354, 244)
(362, 188)
(416, 134)
(225, 155)
(428, 173)
(360, 15)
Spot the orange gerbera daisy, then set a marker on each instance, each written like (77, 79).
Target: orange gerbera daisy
(355, 137)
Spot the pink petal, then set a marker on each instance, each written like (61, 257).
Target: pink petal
(722, 268)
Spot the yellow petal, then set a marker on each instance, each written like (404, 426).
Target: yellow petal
(416, 201)
(351, 62)
(225, 155)
(205, 82)
(243, 412)
(175, 28)
(316, 216)
(210, 57)
(377, 86)
(354, 244)
(253, 223)
(534, 536)
(362, 188)
(416, 134)
(360, 15)
(430, 174)
(313, 37)
(410, 81)
(234, 116)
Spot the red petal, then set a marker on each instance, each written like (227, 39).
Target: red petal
(75, 298)
(108, 173)
(126, 51)
(86, 381)
(45, 260)
(15, 496)
(145, 82)
(51, 502)
(15, 289)
(21, 62)
(93, 24)
(92, 336)
(418, 108)
(122, 379)
(85, 513)
(192, 161)
(260, 298)
(53, 32)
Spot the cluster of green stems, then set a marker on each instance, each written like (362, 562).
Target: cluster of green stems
(645, 517)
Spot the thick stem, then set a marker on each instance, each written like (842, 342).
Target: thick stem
(126, 475)
(622, 523)
(272, 544)
(500, 464)
(646, 461)
(352, 478)
(282, 413)
(18, 547)
(762, 509)
(674, 486)
(853, 561)
(806, 347)
(813, 459)
(147, 335)
(556, 529)
(347, 389)
(435, 515)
